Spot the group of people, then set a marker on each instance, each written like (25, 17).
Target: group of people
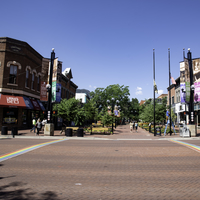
(39, 125)
(133, 125)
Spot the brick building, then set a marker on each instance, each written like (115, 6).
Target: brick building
(22, 69)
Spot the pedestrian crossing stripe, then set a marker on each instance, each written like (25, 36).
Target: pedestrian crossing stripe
(191, 146)
(27, 149)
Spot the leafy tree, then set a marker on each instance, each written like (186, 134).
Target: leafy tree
(101, 95)
(107, 119)
(147, 111)
(71, 110)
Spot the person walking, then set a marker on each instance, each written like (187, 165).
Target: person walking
(39, 126)
(168, 122)
(131, 126)
(33, 124)
(44, 121)
(136, 126)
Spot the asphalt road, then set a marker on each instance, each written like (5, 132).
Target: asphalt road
(99, 169)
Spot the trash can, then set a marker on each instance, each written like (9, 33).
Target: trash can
(14, 131)
(158, 131)
(4, 130)
(80, 132)
(68, 132)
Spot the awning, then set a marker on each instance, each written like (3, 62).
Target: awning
(35, 104)
(41, 104)
(12, 101)
(28, 103)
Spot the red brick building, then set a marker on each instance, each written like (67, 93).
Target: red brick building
(22, 69)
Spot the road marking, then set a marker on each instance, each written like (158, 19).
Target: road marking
(27, 149)
(191, 146)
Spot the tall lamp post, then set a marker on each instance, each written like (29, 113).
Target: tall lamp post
(191, 104)
(112, 102)
(154, 88)
(49, 86)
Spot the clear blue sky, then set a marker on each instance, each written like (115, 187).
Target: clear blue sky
(108, 42)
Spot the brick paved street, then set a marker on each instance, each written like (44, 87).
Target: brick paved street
(124, 166)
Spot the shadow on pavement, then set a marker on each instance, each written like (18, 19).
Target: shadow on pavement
(10, 192)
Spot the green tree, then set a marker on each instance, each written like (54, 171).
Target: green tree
(101, 95)
(107, 119)
(71, 110)
(147, 111)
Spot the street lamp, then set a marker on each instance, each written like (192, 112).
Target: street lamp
(113, 101)
(49, 86)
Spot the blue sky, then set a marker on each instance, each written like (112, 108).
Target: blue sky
(107, 42)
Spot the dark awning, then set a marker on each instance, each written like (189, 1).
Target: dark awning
(35, 104)
(41, 104)
(28, 103)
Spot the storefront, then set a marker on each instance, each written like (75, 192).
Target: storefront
(17, 111)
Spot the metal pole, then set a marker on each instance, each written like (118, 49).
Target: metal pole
(112, 113)
(49, 107)
(170, 124)
(154, 92)
(191, 104)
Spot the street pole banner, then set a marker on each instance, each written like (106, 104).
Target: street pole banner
(187, 80)
(43, 92)
(182, 94)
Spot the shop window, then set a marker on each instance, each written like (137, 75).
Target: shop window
(24, 117)
(10, 115)
(27, 77)
(13, 74)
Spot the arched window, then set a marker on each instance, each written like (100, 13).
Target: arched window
(32, 81)
(13, 74)
(27, 77)
(27, 80)
(38, 83)
(14, 66)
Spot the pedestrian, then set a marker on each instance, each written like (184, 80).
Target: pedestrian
(136, 126)
(63, 127)
(44, 121)
(168, 122)
(131, 126)
(33, 124)
(39, 126)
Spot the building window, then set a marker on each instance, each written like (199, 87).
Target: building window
(38, 83)
(27, 77)
(32, 82)
(172, 100)
(13, 74)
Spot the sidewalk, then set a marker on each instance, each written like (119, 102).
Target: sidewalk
(122, 132)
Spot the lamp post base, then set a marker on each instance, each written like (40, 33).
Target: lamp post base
(49, 129)
(193, 130)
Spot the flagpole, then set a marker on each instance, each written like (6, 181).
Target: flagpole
(169, 93)
(154, 91)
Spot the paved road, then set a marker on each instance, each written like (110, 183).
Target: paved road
(123, 167)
